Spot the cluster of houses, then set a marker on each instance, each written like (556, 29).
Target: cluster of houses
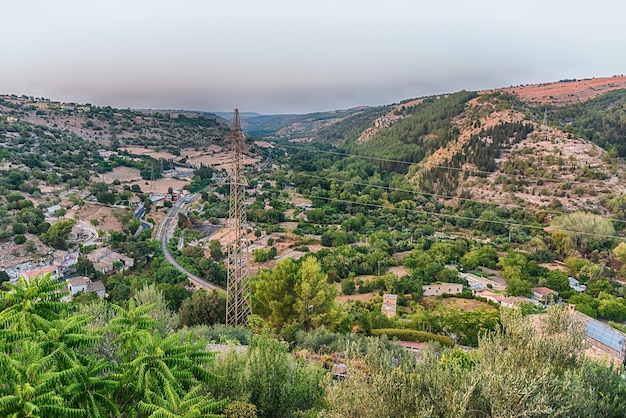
(603, 340)
(159, 199)
(73, 285)
(104, 260)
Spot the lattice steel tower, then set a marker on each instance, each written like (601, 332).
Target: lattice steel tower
(238, 299)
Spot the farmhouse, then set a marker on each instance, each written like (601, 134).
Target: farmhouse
(54, 270)
(544, 295)
(84, 284)
(389, 305)
(103, 260)
(441, 288)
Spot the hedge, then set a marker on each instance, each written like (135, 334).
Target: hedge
(412, 335)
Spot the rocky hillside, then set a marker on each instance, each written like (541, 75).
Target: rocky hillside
(166, 130)
(553, 145)
(503, 156)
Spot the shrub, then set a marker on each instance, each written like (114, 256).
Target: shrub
(348, 287)
(412, 335)
(239, 409)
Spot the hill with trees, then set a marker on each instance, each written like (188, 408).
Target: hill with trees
(163, 129)
(481, 190)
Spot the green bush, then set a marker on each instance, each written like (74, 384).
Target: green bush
(239, 409)
(412, 335)
(348, 287)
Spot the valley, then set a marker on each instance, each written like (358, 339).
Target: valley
(462, 223)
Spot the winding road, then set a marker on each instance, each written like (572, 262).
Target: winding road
(164, 232)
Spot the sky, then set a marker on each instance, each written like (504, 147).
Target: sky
(298, 56)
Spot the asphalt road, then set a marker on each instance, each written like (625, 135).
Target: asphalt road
(164, 232)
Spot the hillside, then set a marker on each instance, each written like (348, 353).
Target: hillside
(293, 126)
(547, 146)
(164, 129)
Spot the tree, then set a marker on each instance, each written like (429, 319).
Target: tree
(558, 281)
(348, 287)
(58, 234)
(315, 301)
(260, 255)
(620, 254)
(515, 371)
(516, 285)
(216, 250)
(468, 326)
(291, 293)
(53, 365)
(161, 313)
(611, 308)
(585, 230)
(203, 308)
(4, 277)
(32, 304)
(84, 267)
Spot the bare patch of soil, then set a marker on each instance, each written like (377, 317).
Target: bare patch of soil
(152, 153)
(123, 174)
(465, 304)
(399, 271)
(362, 297)
(104, 215)
(564, 93)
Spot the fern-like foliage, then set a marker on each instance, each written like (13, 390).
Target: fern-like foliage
(32, 305)
(165, 370)
(48, 367)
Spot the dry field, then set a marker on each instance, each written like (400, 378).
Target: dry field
(465, 304)
(162, 185)
(563, 93)
(150, 152)
(104, 215)
(399, 271)
(123, 174)
(190, 153)
(362, 297)
(219, 160)
(264, 144)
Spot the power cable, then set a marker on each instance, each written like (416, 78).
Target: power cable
(430, 213)
(460, 169)
(441, 195)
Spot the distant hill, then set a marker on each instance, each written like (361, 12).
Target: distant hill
(242, 115)
(165, 129)
(292, 126)
(551, 145)
(494, 145)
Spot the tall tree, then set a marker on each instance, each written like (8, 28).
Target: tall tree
(294, 293)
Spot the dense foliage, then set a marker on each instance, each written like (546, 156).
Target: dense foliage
(426, 128)
(601, 120)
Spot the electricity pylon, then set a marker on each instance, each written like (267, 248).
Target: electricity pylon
(238, 298)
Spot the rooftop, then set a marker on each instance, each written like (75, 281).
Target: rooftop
(544, 291)
(79, 281)
(32, 273)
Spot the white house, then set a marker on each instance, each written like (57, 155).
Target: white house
(544, 294)
(84, 284)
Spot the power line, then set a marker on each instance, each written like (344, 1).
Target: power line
(460, 169)
(414, 192)
(429, 213)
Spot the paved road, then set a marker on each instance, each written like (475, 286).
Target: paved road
(164, 232)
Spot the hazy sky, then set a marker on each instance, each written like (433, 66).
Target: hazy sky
(297, 56)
